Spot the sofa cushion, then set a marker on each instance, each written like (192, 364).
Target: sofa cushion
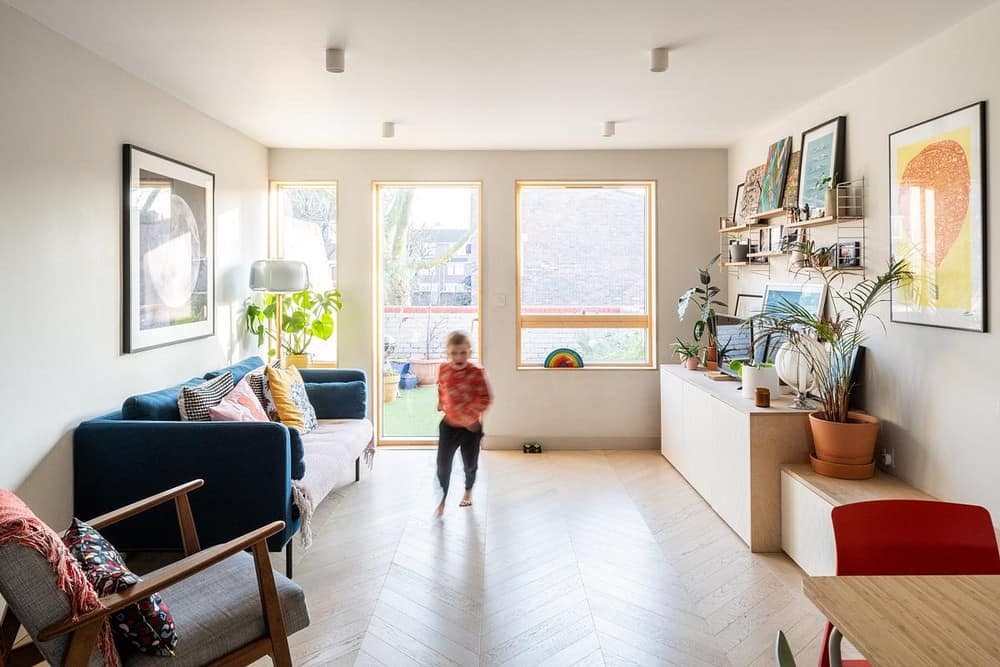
(239, 405)
(219, 610)
(329, 452)
(238, 370)
(157, 405)
(338, 400)
(290, 398)
(147, 625)
(195, 402)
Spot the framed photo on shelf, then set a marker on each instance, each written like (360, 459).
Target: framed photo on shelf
(168, 227)
(811, 296)
(849, 254)
(725, 222)
(937, 213)
(822, 157)
(738, 218)
(747, 305)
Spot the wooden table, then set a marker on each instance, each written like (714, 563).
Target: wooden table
(914, 621)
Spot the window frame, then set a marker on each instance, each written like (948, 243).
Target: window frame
(274, 249)
(647, 321)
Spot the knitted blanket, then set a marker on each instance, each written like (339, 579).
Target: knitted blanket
(19, 525)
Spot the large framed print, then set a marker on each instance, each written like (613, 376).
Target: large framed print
(822, 157)
(772, 186)
(810, 296)
(937, 213)
(168, 215)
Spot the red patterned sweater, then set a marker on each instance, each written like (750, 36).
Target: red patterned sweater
(463, 394)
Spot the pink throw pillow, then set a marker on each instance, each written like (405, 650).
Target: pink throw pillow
(239, 405)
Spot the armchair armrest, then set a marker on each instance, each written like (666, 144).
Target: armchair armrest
(166, 576)
(189, 534)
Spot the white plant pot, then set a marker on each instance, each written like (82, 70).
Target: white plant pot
(754, 377)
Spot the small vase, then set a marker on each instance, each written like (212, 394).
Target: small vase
(830, 202)
(691, 363)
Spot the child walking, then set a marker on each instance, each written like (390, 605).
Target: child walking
(463, 396)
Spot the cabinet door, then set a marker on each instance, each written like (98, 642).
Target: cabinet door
(698, 457)
(671, 416)
(730, 485)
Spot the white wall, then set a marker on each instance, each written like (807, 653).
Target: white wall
(934, 389)
(64, 117)
(612, 409)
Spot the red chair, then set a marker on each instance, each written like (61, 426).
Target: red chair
(911, 537)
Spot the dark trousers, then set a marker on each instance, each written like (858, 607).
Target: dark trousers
(451, 438)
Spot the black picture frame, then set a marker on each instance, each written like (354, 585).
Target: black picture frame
(168, 251)
(745, 298)
(833, 167)
(736, 205)
(936, 316)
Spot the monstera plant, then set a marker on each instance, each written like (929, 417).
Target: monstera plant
(305, 315)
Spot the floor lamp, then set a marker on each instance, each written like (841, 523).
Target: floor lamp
(279, 277)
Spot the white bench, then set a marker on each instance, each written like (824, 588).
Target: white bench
(807, 499)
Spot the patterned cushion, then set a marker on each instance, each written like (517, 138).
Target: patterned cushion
(146, 625)
(290, 398)
(258, 382)
(195, 402)
(239, 405)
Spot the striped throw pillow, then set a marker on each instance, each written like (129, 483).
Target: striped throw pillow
(195, 402)
(258, 382)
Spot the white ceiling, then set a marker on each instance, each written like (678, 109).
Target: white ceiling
(496, 73)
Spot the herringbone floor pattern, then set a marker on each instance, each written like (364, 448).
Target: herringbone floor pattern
(567, 558)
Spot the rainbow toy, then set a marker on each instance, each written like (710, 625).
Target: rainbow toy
(564, 357)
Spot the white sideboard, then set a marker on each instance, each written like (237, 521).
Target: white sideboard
(731, 451)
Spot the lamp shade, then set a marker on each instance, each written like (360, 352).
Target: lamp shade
(280, 276)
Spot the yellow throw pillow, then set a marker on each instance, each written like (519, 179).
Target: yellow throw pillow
(289, 394)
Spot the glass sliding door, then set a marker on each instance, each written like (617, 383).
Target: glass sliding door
(428, 286)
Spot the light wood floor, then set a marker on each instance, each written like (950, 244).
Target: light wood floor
(566, 558)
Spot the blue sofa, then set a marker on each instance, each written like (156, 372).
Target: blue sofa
(248, 467)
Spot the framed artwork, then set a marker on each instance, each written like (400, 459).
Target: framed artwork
(747, 305)
(937, 213)
(792, 181)
(772, 185)
(168, 216)
(811, 296)
(822, 157)
(737, 211)
(751, 193)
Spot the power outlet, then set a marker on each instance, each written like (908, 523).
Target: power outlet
(889, 457)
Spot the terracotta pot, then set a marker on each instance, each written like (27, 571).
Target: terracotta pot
(842, 470)
(711, 353)
(691, 363)
(852, 443)
(426, 370)
(712, 365)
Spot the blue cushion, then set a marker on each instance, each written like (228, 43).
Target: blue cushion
(338, 400)
(238, 370)
(157, 405)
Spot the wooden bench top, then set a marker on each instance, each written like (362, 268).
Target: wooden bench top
(843, 491)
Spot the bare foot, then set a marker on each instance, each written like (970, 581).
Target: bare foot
(440, 509)
(466, 499)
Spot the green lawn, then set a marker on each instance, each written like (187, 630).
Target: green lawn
(412, 415)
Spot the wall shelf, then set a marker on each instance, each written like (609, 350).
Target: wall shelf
(737, 264)
(768, 215)
(775, 253)
(742, 228)
(821, 222)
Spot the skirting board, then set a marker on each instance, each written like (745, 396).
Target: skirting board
(571, 443)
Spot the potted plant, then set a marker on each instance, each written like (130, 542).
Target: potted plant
(688, 353)
(305, 315)
(426, 369)
(390, 385)
(844, 440)
(703, 296)
(829, 190)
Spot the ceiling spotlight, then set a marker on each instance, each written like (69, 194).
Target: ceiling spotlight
(608, 129)
(388, 130)
(659, 59)
(335, 61)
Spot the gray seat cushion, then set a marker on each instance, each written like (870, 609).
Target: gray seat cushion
(28, 584)
(218, 611)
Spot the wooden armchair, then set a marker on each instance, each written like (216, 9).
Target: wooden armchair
(230, 607)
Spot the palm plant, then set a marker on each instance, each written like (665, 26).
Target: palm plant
(703, 295)
(839, 336)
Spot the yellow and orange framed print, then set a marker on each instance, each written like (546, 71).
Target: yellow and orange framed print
(937, 209)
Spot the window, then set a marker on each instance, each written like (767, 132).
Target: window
(585, 271)
(304, 227)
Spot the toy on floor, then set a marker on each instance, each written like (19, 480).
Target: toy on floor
(531, 447)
